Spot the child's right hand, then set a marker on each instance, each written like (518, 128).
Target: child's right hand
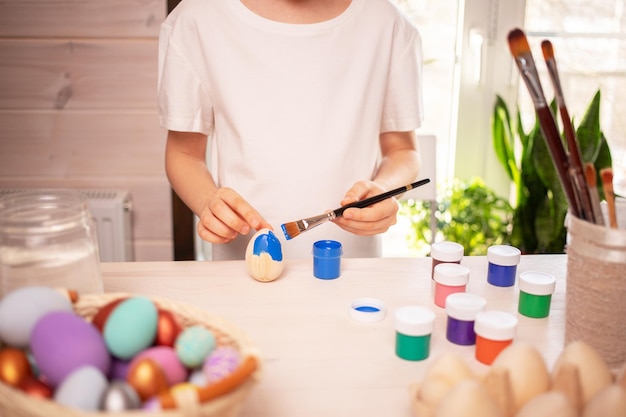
(226, 215)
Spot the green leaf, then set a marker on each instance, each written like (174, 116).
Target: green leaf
(503, 140)
(588, 132)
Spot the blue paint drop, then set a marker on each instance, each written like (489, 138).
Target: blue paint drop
(269, 243)
(367, 309)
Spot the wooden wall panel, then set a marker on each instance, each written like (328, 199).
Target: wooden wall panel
(74, 144)
(81, 18)
(78, 74)
(78, 105)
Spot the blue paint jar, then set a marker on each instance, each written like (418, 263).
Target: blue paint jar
(327, 259)
(503, 261)
(462, 309)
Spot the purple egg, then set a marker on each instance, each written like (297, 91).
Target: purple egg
(118, 369)
(220, 363)
(62, 342)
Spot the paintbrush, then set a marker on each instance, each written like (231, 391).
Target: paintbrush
(592, 185)
(609, 195)
(293, 229)
(575, 160)
(520, 50)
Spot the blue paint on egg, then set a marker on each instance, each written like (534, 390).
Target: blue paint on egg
(268, 243)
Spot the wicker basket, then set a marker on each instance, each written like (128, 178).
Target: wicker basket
(224, 400)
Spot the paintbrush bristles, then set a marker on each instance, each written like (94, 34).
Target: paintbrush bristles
(548, 51)
(291, 230)
(592, 186)
(518, 43)
(609, 195)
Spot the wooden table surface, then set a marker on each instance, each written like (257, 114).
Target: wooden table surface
(318, 361)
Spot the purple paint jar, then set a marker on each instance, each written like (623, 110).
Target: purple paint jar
(462, 309)
(503, 261)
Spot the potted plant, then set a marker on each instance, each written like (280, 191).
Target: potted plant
(467, 212)
(540, 206)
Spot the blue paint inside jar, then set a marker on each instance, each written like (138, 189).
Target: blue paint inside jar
(460, 332)
(327, 259)
(501, 276)
(268, 243)
(368, 309)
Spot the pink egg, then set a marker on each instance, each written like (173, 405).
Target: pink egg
(62, 342)
(166, 357)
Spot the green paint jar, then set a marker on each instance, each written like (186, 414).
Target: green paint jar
(535, 294)
(414, 327)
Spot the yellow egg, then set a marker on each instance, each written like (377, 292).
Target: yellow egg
(147, 378)
(264, 256)
(593, 373)
(526, 371)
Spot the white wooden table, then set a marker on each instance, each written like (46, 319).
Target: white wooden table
(318, 361)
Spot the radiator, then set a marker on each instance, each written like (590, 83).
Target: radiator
(112, 214)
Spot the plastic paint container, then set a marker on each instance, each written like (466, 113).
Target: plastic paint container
(535, 294)
(414, 327)
(503, 261)
(445, 252)
(327, 259)
(368, 310)
(462, 309)
(495, 331)
(449, 279)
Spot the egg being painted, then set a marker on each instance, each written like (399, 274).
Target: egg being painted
(264, 256)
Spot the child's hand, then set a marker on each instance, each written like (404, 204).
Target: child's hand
(370, 220)
(226, 215)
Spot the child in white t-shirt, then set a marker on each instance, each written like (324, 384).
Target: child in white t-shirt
(305, 105)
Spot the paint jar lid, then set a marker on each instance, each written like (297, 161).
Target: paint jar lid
(368, 310)
(447, 251)
(414, 320)
(536, 283)
(452, 275)
(327, 249)
(464, 306)
(495, 325)
(503, 255)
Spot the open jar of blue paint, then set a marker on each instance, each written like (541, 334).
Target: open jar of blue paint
(327, 259)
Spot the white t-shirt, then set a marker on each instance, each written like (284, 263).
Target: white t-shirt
(294, 111)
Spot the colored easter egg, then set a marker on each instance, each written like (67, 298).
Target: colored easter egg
(264, 256)
(22, 308)
(104, 312)
(220, 363)
(120, 396)
(131, 327)
(35, 387)
(194, 344)
(62, 342)
(168, 328)
(167, 358)
(82, 389)
(14, 366)
(119, 368)
(147, 378)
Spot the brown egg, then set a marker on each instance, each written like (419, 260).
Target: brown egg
(168, 328)
(14, 366)
(147, 378)
(103, 314)
(35, 387)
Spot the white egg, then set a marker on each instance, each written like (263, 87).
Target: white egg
(23, 307)
(82, 389)
(264, 256)
(443, 374)
(548, 404)
(468, 398)
(608, 402)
